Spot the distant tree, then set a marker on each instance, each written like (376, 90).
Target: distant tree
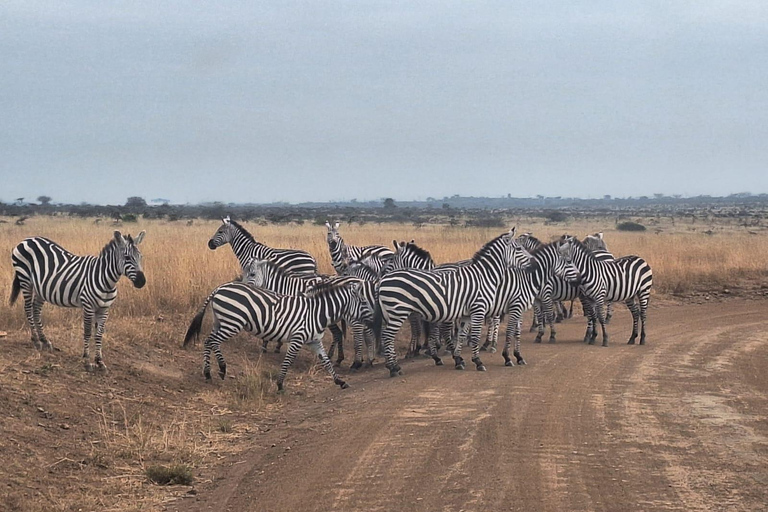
(389, 203)
(44, 200)
(446, 206)
(136, 202)
(630, 226)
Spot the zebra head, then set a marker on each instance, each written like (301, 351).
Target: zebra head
(256, 273)
(223, 235)
(408, 255)
(529, 241)
(566, 247)
(515, 254)
(131, 258)
(566, 270)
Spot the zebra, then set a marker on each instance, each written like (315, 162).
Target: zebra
(628, 279)
(526, 285)
(266, 274)
(409, 255)
(298, 319)
(596, 244)
(246, 248)
(46, 272)
(473, 291)
(362, 333)
(340, 251)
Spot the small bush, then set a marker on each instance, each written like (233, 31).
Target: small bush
(630, 226)
(129, 217)
(178, 474)
(555, 216)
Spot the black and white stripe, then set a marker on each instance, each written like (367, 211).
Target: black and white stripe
(341, 251)
(46, 272)
(266, 274)
(299, 320)
(628, 279)
(474, 291)
(247, 248)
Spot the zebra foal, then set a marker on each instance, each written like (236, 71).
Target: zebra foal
(46, 272)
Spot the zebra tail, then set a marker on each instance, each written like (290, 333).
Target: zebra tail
(197, 323)
(343, 329)
(378, 320)
(15, 289)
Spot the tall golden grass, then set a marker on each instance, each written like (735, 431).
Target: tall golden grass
(181, 270)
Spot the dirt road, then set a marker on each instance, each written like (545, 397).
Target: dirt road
(678, 424)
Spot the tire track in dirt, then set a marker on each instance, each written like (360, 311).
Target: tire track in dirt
(579, 428)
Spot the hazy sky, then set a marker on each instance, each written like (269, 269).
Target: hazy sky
(317, 100)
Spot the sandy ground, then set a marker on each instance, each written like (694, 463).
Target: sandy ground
(678, 424)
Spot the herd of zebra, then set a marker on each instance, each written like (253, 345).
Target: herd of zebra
(282, 298)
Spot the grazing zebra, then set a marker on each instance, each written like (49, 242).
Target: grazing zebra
(340, 251)
(266, 274)
(46, 272)
(473, 291)
(247, 248)
(628, 279)
(298, 319)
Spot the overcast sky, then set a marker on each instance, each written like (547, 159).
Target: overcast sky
(319, 100)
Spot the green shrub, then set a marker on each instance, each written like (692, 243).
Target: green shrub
(178, 474)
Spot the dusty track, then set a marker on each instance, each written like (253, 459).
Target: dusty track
(679, 424)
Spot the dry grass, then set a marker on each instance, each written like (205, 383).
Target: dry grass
(181, 270)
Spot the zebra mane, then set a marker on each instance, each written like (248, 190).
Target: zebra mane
(107, 249)
(533, 239)
(243, 231)
(484, 250)
(578, 243)
(329, 286)
(418, 251)
(539, 249)
(363, 270)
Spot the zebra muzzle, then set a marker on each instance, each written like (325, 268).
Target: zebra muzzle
(140, 280)
(211, 245)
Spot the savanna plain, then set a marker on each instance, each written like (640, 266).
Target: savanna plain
(678, 424)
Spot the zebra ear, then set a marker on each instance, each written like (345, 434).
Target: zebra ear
(512, 232)
(413, 241)
(328, 225)
(139, 237)
(336, 226)
(394, 242)
(119, 237)
(599, 235)
(226, 220)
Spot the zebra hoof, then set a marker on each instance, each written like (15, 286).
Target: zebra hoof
(222, 372)
(438, 362)
(492, 350)
(537, 340)
(642, 342)
(591, 342)
(356, 365)
(460, 366)
(207, 375)
(521, 362)
(393, 373)
(264, 349)
(344, 385)
(631, 341)
(481, 368)
(508, 363)
(605, 344)
(552, 340)
(88, 366)
(484, 348)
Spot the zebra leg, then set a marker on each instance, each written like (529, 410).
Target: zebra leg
(493, 334)
(535, 321)
(570, 310)
(37, 309)
(87, 326)
(370, 341)
(601, 318)
(213, 343)
(317, 348)
(539, 312)
(388, 344)
(29, 311)
(608, 312)
(516, 321)
(293, 348)
(475, 331)
(338, 339)
(549, 315)
(635, 318)
(643, 299)
(358, 333)
(278, 346)
(434, 335)
(264, 345)
(101, 319)
(414, 347)
(457, 359)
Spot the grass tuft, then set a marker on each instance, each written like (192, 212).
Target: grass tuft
(177, 474)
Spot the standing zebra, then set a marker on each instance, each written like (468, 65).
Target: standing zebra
(340, 251)
(46, 272)
(246, 248)
(361, 332)
(473, 291)
(300, 320)
(266, 274)
(628, 279)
